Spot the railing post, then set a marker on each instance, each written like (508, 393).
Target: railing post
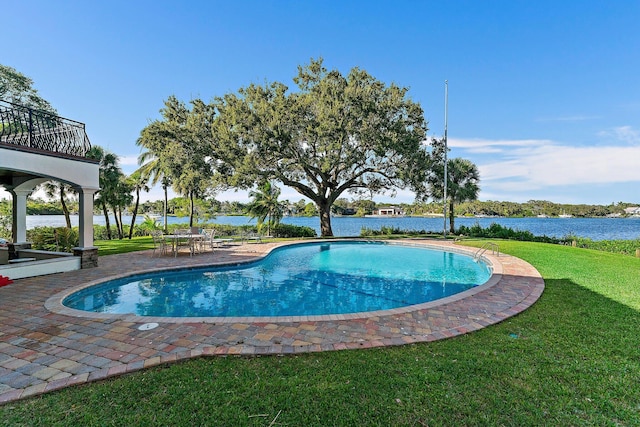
(30, 128)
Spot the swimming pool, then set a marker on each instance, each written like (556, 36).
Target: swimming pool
(297, 280)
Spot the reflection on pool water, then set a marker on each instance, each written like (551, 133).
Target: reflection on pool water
(297, 280)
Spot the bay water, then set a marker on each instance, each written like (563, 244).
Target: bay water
(592, 228)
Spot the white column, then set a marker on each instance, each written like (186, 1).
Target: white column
(20, 215)
(85, 225)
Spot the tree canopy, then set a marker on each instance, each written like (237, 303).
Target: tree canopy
(17, 88)
(335, 134)
(182, 146)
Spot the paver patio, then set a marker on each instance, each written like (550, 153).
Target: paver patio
(44, 346)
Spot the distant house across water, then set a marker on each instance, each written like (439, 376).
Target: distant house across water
(632, 211)
(389, 211)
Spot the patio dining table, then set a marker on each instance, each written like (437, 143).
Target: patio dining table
(194, 240)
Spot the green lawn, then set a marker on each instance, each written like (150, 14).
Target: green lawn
(110, 247)
(572, 359)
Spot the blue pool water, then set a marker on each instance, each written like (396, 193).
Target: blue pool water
(298, 280)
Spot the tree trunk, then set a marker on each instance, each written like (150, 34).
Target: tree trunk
(269, 225)
(135, 212)
(452, 218)
(191, 209)
(106, 220)
(65, 209)
(166, 209)
(120, 222)
(115, 217)
(324, 208)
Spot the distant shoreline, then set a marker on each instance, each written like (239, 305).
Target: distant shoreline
(599, 228)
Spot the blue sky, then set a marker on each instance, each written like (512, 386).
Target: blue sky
(543, 95)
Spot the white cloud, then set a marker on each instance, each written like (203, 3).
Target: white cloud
(576, 118)
(558, 165)
(622, 133)
(478, 146)
(128, 160)
(487, 146)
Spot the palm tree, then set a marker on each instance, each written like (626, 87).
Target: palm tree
(138, 182)
(121, 199)
(60, 189)
(110, 174)
(152, 169)
(265, 205)
(462, 184)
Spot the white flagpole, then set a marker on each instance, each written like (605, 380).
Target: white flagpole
(446, 102)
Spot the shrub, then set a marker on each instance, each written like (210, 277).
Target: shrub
(147, 226)
(230, 230)
(58, 239)
(388, 231)
(288, 230)
(494, 231)
(5, 226)
(497, 231)
(627, 247)
(99, 232)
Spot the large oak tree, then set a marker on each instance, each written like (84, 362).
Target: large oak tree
(335, 134)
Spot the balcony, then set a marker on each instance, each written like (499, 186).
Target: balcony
(26, 129)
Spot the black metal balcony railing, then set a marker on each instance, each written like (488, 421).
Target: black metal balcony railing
(35, 130)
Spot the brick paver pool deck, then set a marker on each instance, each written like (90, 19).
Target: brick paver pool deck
(45, 346)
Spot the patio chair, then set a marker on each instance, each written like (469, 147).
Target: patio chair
(181, 238)
(215, 242)
(199, 239)
(159, 243)
(252, 237)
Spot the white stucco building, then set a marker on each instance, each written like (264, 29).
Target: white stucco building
(35, 147)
